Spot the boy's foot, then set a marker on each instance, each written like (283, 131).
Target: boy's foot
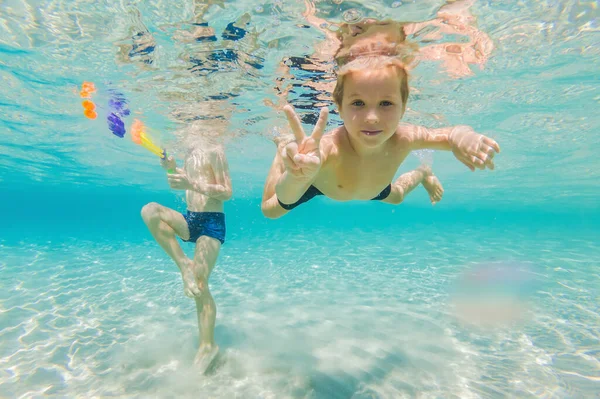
(434, 188)
(205, 357)
(190, 285)
(432, 185)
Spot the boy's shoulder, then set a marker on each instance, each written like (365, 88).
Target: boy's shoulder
(404, 136)
(405, 133)
(330, 141)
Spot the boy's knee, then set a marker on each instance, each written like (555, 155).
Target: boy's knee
(203, 285)
(269, 212)
(397, 198)
(150, 211)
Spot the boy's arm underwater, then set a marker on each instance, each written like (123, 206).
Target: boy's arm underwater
(472, 149)
(221, 190)
(295, 166)
(281, 185)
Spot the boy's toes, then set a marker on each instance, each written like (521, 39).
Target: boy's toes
(192, 291)
(196, 292)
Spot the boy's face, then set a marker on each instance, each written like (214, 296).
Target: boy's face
(371, 105)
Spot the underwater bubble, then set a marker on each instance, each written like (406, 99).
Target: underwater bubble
(352, 15)
(396, 4)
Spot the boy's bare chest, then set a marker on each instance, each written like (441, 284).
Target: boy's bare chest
(348, 178)
(200, 170)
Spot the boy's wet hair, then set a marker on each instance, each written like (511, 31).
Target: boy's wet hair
(367, 38)
(376, 45)
(372, 63)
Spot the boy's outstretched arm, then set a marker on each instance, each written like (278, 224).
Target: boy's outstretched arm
(287, 187)
(295, 166)
(472, 149)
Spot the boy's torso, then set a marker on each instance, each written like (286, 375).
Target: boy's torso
(199, 169)
(345, 176)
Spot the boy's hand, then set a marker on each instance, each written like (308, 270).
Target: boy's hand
(302, 157)
(473, 149)
(179, 180)
(168, 163)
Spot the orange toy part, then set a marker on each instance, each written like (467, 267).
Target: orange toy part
(87, 88)
(137, 127)
(90, 114)
(139, 136)
(88, 105)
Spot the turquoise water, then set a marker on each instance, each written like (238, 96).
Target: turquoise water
(335, 300)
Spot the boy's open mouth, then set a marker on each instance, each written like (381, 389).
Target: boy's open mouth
(371, 132)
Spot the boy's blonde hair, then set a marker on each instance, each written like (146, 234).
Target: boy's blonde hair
(373, 38)
(378, 45)
(371, 63)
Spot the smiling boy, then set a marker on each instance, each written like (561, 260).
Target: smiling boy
(359, 160)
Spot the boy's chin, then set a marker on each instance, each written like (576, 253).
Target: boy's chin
(374, 140)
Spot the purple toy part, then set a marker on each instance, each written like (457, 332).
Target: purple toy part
(116, 125)
(118, 105)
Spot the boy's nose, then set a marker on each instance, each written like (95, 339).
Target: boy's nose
(372, 117)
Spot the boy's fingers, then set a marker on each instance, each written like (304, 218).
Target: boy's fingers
(294, 122)
(321, 124)
(291, 149)
(467, 164)
(492, 144)
(477, 162)
(490, 163)
(304, 160)
(288, 154)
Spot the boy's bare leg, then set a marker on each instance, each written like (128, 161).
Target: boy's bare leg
(408, 181)
(164, 224)
(207, 251)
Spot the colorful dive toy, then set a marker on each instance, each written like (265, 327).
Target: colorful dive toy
(140, 137)
(117, 108)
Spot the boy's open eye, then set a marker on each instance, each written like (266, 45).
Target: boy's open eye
(358, 103)
(386, 103)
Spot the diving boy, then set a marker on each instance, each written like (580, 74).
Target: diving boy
(358, 160)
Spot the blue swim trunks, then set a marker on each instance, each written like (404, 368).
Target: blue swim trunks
(211, 224)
